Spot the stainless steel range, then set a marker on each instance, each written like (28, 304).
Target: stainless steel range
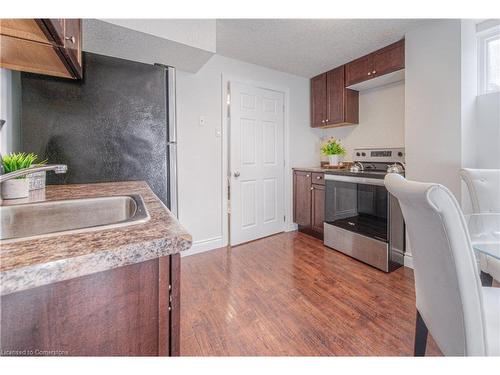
(362, 219)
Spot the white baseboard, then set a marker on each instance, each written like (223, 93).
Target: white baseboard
(290, 227)
(408, 261)
(204, 245)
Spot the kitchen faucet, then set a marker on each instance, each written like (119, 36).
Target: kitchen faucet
(57, 168)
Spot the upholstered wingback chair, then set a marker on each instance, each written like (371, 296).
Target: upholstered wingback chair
(484, 191)
(462, 316)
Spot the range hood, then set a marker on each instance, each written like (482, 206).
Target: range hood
(380, 81)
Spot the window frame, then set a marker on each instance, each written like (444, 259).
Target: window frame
(483, 38)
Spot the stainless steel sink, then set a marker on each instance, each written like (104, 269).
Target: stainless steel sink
(22, 221)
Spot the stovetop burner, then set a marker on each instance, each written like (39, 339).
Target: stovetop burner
(373, 163)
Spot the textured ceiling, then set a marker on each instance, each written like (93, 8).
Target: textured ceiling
(306, 47)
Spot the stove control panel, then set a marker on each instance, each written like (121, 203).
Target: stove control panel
(383, 155)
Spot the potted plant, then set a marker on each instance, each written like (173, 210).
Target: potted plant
(17, 187)
(334, 150)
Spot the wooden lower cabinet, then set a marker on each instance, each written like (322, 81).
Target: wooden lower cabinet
(318, 208)
(309, 202)
(302, 198)
(125, 311)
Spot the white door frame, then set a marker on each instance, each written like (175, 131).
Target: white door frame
(287, 174)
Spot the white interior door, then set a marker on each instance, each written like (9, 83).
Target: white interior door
(256, 162)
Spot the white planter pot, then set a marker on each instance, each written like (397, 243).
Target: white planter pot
(334, 160)
(16, 188)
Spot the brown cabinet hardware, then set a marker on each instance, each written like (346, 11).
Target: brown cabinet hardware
(43, 46)
(318, 178)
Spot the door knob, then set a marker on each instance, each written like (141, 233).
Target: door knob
(236, 174)
(70, 38)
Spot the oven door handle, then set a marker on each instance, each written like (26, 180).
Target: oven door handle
(355, 180)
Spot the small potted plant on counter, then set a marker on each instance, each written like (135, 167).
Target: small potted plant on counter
(334, 150)
(17, 187)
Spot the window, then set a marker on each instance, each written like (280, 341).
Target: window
(489, 60)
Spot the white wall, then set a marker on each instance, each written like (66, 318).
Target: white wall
(433, 132)
(469, 84)
(10, 106)
(488, 130)
(200, 149)
(381, 120)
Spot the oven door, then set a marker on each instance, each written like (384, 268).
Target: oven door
(364, 221)
(358, 205)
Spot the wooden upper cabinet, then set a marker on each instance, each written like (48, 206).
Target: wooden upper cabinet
(319, 110)
(55, 27)
(73, 44)
(331, 103)
(28, 29)
(336, 97)
(43, 46)
(384, 61)
(389, 59)
(359, 70)
(343, 104)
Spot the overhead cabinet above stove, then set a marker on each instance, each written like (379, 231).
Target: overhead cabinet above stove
(375, 64)
(334, 94)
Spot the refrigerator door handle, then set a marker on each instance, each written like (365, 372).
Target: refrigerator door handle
(172, 142)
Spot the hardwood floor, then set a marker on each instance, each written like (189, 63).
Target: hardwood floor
(289, 295)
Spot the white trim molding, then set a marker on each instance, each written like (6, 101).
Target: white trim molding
(204, 245)
(408, 260)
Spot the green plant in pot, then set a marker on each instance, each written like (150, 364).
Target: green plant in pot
(17, 187)
(334, 150)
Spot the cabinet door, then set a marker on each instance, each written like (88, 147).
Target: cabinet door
(336, 99)
(73, 44)
(318, 100)
(302, 198)
(55, 27)
(318, 207)
(389, 59)
(359, 70)
(27, 56)
(27, 29)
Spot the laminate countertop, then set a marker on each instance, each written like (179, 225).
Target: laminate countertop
(317, 169)
(34, 262)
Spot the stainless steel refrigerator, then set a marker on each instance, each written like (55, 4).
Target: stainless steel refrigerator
(116, 124)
